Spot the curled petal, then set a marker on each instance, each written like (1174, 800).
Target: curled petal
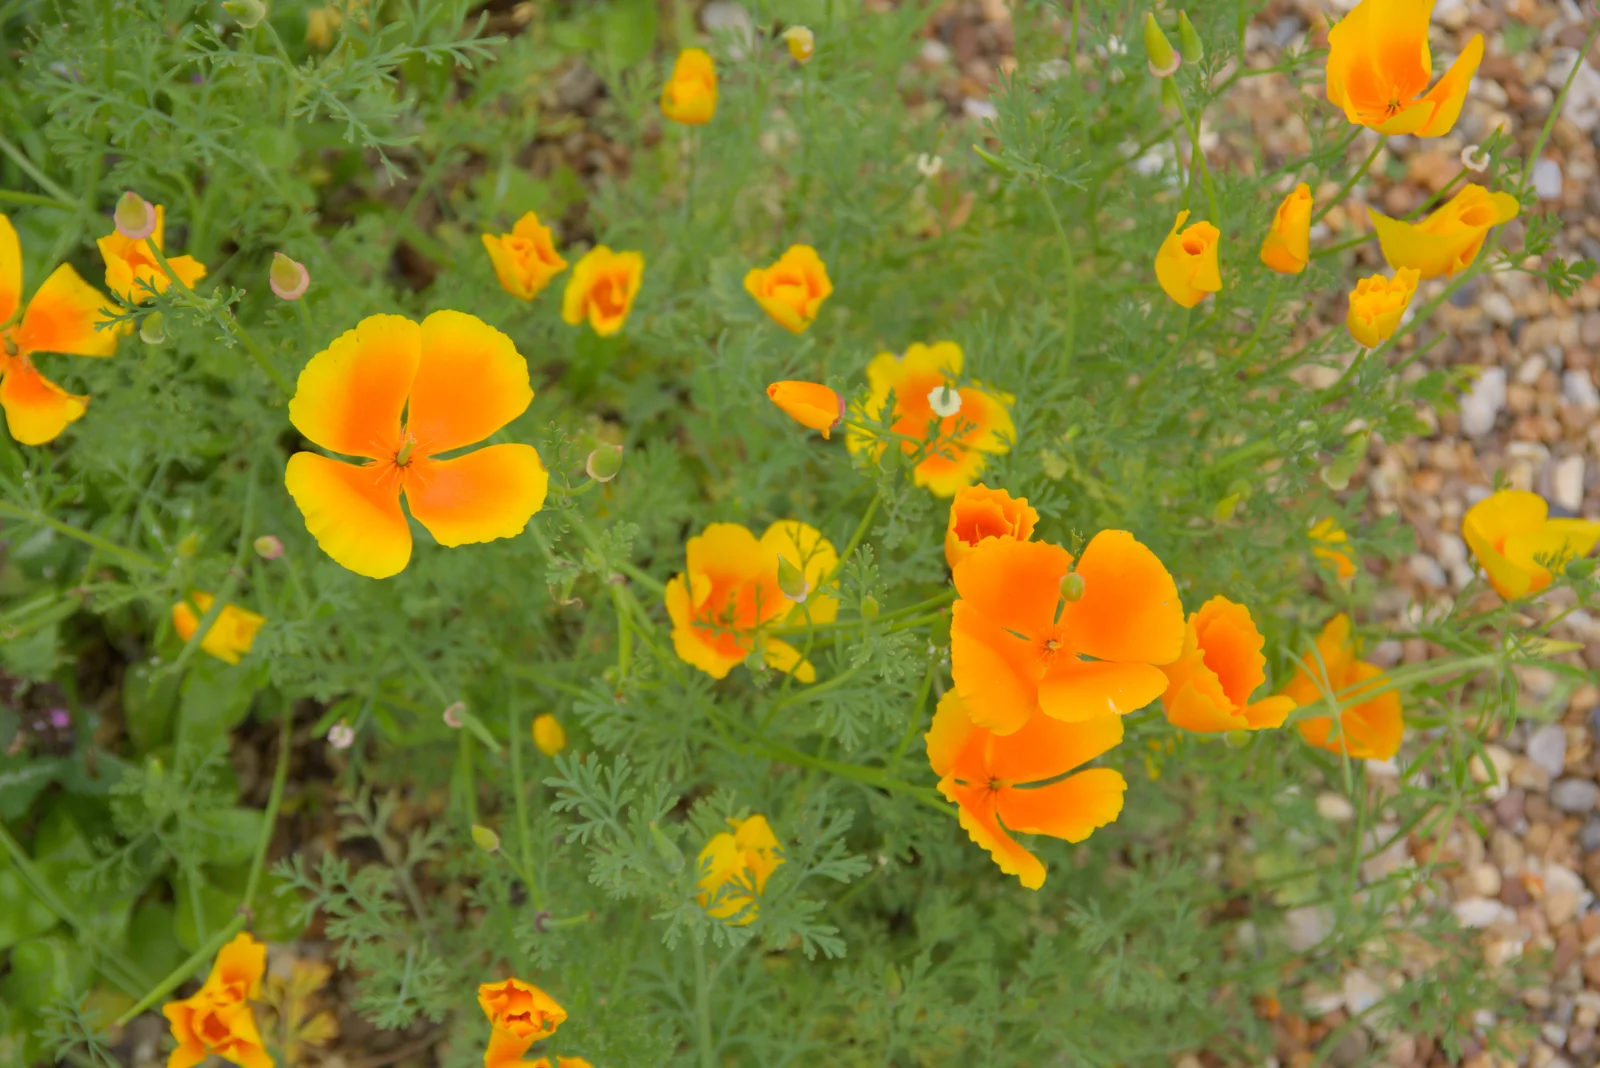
(487, 494)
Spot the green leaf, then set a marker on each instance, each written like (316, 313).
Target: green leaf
(628, 32)
(21, 780)
(152, 938)
(229, 835)
(149, 706)
(22, 914)
(215, 698)
(44, 970)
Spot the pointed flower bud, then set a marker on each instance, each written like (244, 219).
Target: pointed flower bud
(1072, 586)
(247, 13)
(135, 216)
(549, 735)
(288, 278)
(994, 161)
(268, 547)
(810, 404)
(792, 581)
(484, 838)
(604, 462)
(153, 329)
(869, 607)
(341, 735)
(944, 400)
(801, 41)
(1188, 40)
(1164, 61)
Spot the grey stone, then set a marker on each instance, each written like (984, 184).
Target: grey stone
(1497, 306)
(1547, 747)
(1483, 402)
(1547, 179)
(1578, 389)
(1575, 795)
(1589, 837)
(1428, 571)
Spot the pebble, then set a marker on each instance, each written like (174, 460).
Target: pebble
(1547, 179)
(1589, 837)
(1497, 306)
(1578, 390)
(1566, 483)
(1308, 925)
(1429, 572)
(1335, 807)
(1361, 992)
(1483, 402)
(733, 19)
(1547, 747)
(1480, 912)
(1496, 771)
(1575, 795)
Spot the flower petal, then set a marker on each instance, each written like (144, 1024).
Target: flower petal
(61, 317)
(1130, 610)
(487, 494)
(350, 395)
(781, 656)
(470, 382)
(242, 961)
(1077, 690)
(1045, 748)
(10, 270)
(37, 410)
(954, 742)
(1017, 584)
(353, 512)
(1450, 93)
(995, 672)
(977, 816)
(1073, 808)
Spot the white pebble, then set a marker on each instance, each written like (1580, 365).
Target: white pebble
(1566, 483)
(1547, 179)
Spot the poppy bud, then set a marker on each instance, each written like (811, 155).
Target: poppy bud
(134, 216)
(1158, 50)
(188, 545)
(666, 848)
(604, 463)
(1224, 509)
(247, 13)
(549, 735)
(756, 662)
(869, 607)
(994, 161)
(484, 838)
(792, 581)
(452, 715)
(801, 41)
(1072, 586)
(1236, 739)
(341, 735)
(1189, 40)
(153, 329)
(268, 547)
(288, 278)
(944, 400)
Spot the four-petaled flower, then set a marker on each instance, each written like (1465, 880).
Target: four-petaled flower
(1017, 647)
(1379, 66)
(217, 1019)
(61, 317)
(729, 592)
(1209, 685)
(1518, 545)
(1371, 722)
(402, 395)
(232, 633)
(978, 423)
(734, 869)
(520, 1014)
(992, 779)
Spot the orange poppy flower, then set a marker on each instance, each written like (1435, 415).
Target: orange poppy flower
(809, 404)
(979, 513)
(1379, 66)
(61, 317)
(1369, 729)
(520, 1014)
(1017, 649)
(232, 633)
(970, 423)
(690, 94)
(456, 380)
(735, 868)
(1186, 262)
(1331, 545)
(729, 592)
(1514, 538)
(990, 777)
(1287, 248)
(791, 290)
(601, 289)
(132, 270)
(525, 260)
(1209, 685)
(217, 1020)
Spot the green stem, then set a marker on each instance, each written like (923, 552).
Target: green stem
(280, 777)
(1350, 182)
(855, 539)
(1200, 161)
(37, 201)
(702, 1007)
(41, 179)
(136, 559)
(624, 633)
(184, 970)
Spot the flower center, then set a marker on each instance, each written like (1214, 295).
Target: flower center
(403, 457)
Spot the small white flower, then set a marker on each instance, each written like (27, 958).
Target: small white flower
(929, 166)
(944, 400)
(1474, 158)
(341, 735)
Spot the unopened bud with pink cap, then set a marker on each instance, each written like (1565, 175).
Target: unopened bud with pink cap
(452, 715)
(135, 216)
(288, 278)
(268, 547)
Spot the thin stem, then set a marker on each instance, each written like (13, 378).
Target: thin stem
(855, 539)
(1072, 266)
(184, 970)
(41, 179)
(1200, 161)
(37, 201)
(136, 559)
(280, 776)
(520, 792)
(624, 633)
(1350, 182)
(702, 1007)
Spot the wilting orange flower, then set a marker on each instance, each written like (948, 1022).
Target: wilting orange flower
(1377, 305)
(1370, 728)
(989, 777)
(232, 633)
(520, 1014)
(1209, 685)
(971, 421)
(602, 288)
(1016, 648)
(979, 513)
(791, 290)
(132, 270)
(734, 869)
(729, 592)
(690, 95)
(1446, 242)
(1287, 248)
(1379, 65)
(463, 380)
(809, 404)
(1330, 544)
(1186, 264)
(217, 1020)
(525, 260)
(61, 317)
(1516, 542)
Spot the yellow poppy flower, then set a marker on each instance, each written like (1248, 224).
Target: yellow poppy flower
(1446, 242)
(525, 260)
(1379, 65)
(132, 269)
(1377, 305)
(690, 95)
(1516, 541)
(1186, 265)
(734, 868)
(793, 289)
(232, 633)
(602, 288)
(1287, 248)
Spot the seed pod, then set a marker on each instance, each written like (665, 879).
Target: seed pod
(604, 463)
(268, 547)
(1188, 40)
(484, 838)
(1072, 586)
(153, 329)
(869, 607)
(792, 581)
(288, 278)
